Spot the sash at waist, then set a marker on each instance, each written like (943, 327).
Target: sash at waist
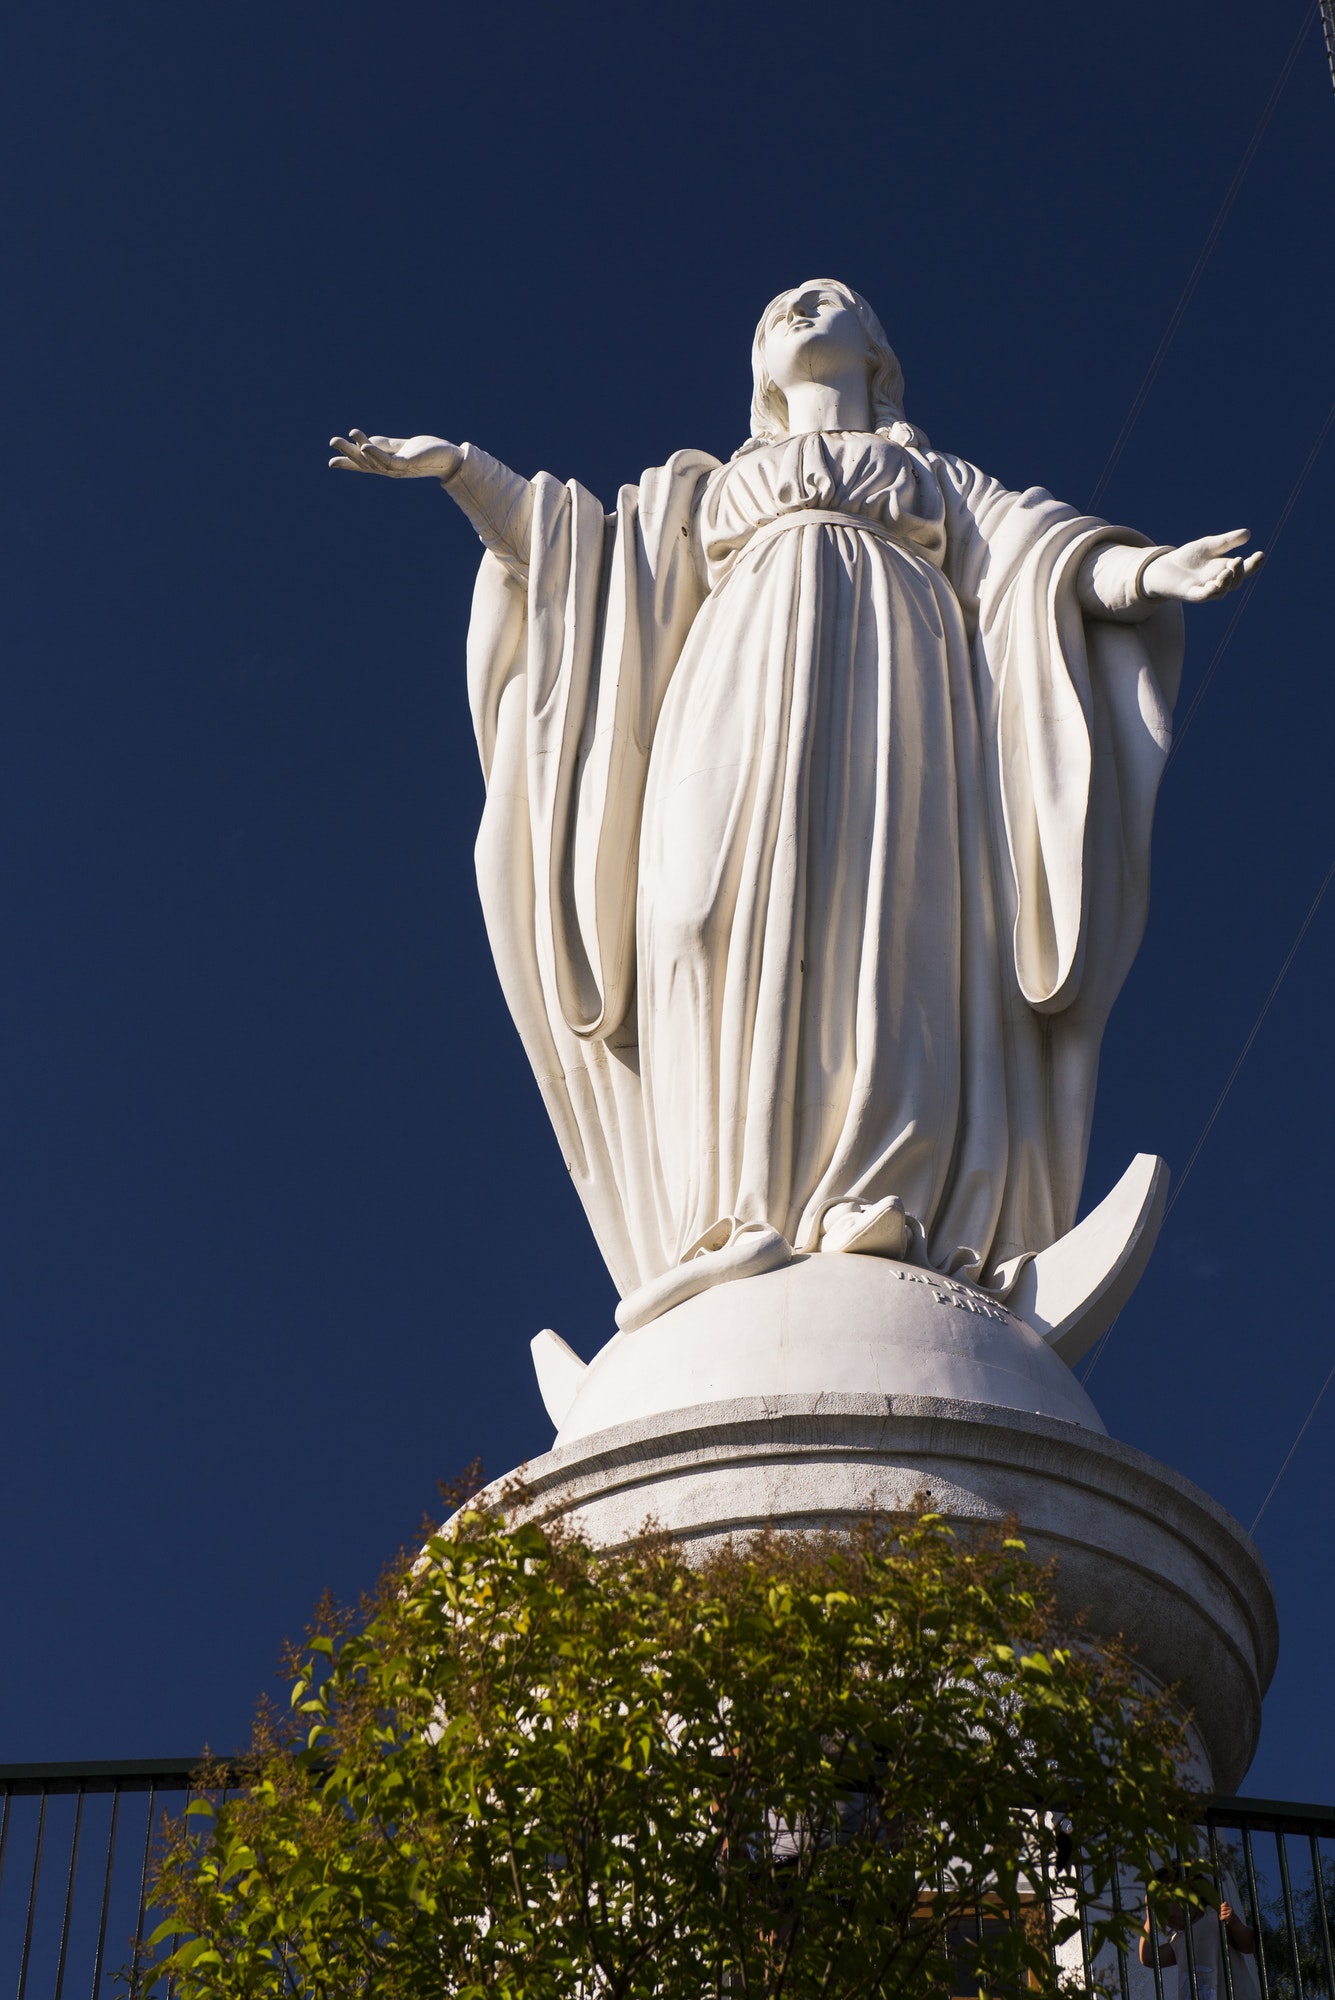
(819, 517)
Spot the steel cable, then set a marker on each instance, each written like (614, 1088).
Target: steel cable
(1267, 1004)
(1233, 1074)
(1326, 10)
(1245, 595)
(1207, 248)
(1292, 1451)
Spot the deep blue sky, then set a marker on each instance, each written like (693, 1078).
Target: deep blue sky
(279, 1206)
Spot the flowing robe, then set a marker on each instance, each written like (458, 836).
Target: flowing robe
(816, 844)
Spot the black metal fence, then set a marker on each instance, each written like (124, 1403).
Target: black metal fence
(1280, 1860)
(76, 1851)
(77, 1843)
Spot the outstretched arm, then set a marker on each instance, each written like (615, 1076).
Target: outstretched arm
(497, 501)
(1125, 583)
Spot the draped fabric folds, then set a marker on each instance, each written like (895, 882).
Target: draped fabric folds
(815, 850)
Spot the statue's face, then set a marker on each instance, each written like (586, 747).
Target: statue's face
(814, 335)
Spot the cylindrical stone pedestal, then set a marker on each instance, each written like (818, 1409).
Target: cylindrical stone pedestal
(1140, 1550)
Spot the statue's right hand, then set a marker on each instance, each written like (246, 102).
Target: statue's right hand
(396, 458)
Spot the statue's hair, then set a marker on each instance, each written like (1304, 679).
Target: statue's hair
(769, 405)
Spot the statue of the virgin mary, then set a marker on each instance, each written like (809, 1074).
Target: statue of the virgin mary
(816, 841)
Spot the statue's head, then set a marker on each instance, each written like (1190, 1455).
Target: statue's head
(818, 332)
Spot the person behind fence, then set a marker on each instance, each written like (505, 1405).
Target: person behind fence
(1208, 1930)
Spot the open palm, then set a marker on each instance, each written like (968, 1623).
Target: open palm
(1203, 569)
(396, 458)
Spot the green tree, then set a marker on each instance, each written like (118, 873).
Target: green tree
(859, 1766)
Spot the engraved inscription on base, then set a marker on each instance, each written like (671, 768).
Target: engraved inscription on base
(948, 1292)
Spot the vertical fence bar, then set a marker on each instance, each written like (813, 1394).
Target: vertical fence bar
(1224, 1958)
(171, 1976)
(1155, 1960)
(32, 1895)
(1286, 1889)
(106, 1892)
(143, 1896)
(1122, 1980)
(1082, 1911)
(1043, 1893)
(1250, 1861)
(1319, 1887)
(69, 1896)
(4, 1834)
(1188, 1930)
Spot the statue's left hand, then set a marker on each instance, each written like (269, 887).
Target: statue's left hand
(1201, 570)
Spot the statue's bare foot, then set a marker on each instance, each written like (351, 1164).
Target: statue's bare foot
(870, 1229)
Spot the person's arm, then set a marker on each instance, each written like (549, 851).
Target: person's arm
(497, 501)
(1125, 584)
(1167, 1956)
(1241, 1936)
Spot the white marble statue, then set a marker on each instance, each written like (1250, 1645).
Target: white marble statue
(816, 843)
